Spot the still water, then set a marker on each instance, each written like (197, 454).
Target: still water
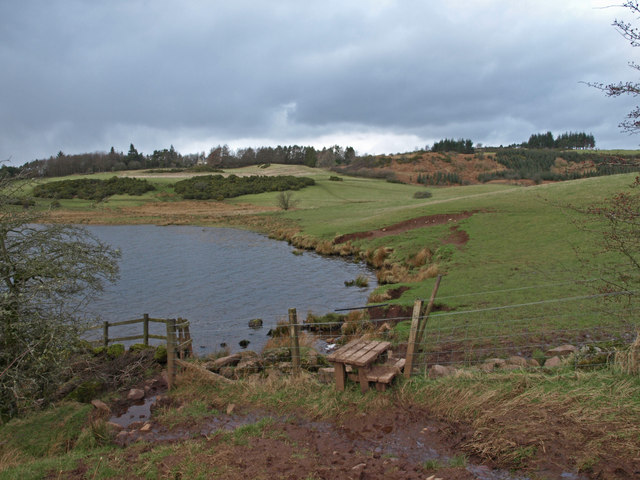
(219, 279)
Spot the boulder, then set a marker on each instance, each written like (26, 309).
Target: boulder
(562, 351)
(517, 361)
(553, 362)
(532, 362)
(100, 405)
(247, 367)
(487, 367)
(440, 371)
(496, 362)
(255, 323)
(135, 394)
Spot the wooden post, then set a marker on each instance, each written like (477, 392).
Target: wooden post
(171, 351)
(423, 324)
(145, 331)
(180, 339)
(295, 345)
(187, 337)
(413, 335)
(105, 334)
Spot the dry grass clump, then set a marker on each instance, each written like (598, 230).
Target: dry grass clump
(628, 360)
(393, 274)
(379, 297)
(421, 258)
(431, 271)
(376, 258)
(325, 247)
(345, 249)
(356, 323)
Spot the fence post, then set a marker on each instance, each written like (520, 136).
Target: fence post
(428, 310)
(105, 334)
(171, 351)
(413, 336)
(187, 338)
(421, 331)
(295, 345)
(145, 331)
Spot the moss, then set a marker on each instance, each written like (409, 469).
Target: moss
(116, 350)
(139, 347)
(86, 391)
(160, 355)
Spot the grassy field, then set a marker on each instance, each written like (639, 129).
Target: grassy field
(525, 277)
(524, 245)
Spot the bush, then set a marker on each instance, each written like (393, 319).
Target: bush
(93, 189)
(160, 355)
(115, 350)
(422, 194)
(218, 187)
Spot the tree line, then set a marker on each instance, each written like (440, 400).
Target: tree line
(566, 141)
(218, 187)
(220, 156)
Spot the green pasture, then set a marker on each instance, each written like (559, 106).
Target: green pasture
(527, 251)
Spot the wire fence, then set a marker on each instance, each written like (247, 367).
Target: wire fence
(465, 335)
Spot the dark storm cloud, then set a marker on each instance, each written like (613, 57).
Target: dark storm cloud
(82, 76)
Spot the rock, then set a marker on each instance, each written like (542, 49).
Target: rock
(562, 351)
(553, 362)
(247, 367)
(496, 362)
(510, 367)
(487, 367)
(135, 394)
(161, 401)
(255, 323)
(100, 405)
(532, 362)
(146, 427)
(276, 355)
(440, 371)
(221, 362)
(244, 343)
(121, 438)
(517, 360)
(116, 427)
(249, 354)
(326, 375)
(227, 372)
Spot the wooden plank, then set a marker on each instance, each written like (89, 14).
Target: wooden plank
(364, 381)
(363, 348)
(339, 374)
(338, 355)
(126, 322)
(374, 350)
(124, 339)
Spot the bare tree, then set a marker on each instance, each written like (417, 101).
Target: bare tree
(631, 124)
(285, 200)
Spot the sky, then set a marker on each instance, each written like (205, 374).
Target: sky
(382, 76)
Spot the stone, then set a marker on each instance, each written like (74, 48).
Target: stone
(496, 362)
(255, 323)
(562, 351)
(116, 427)
(517, 360)
(487, 367)
(100, 405)
(227, 372)
(135, 394)
(326, 375)
(230, 408)
(532, 362)
(440, 371)
(247, 367)
(510, 367)
(146, 427)
(553, 362)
